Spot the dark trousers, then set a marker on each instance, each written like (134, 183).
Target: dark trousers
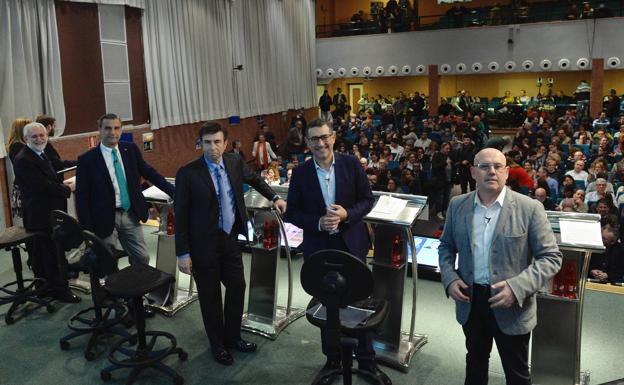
(222, 321)
(465, 179)
(365, 353)
(480, 330)
(45, 264)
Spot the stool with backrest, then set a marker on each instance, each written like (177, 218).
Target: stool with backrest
(107, 312)
(21, 290)
(144, 349)
(338, 280)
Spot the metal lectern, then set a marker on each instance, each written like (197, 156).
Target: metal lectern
(395, 347)
(264, 316)
(556, 340)
(178, 295)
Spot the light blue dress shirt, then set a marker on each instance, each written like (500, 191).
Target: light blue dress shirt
(327, 181)
(484, 222)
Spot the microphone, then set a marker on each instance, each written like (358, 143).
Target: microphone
(488, 220)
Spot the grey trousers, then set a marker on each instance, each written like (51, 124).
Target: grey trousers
(129, 232)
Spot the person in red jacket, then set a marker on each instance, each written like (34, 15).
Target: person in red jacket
(519, 179)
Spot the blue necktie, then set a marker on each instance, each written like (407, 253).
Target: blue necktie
(225, 201)
(121, 181)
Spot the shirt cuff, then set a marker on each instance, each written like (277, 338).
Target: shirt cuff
(184, 256)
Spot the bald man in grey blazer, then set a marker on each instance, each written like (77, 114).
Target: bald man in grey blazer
(507, 252)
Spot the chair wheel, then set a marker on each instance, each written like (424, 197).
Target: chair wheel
(64, 344)
(50, 308)
(105, 376)
(9, 320)
(183, 356)
(178, 380)
(89, 355)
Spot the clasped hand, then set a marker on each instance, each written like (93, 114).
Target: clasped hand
(332, 218)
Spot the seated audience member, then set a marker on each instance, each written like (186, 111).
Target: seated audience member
(273, 177)
(519, 177)
(593, 197)
(592, 185)
(542, 195)
(600, 122)
(578, 173)
(609, 265)
(393, 186)
(567, 205)
(567, 187)
(604, 207)
(552, 184)
(289, 171)
(579, 201)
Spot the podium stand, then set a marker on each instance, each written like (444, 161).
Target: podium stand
(170, 299)
(394, 346)
(264, 316)
(556, 340)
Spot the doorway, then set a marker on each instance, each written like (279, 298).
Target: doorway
(356, 90)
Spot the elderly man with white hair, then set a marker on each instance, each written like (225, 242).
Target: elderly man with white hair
(42, 192)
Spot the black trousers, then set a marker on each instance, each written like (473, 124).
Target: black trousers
(222, 321)
(480, 330)
(365, 353)
(45, 263)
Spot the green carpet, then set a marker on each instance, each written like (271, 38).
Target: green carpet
(30, 352)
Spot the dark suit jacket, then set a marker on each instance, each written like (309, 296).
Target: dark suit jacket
(41, 188)
(197, 206)
(306, 205)
(95, 194)
(55, 158)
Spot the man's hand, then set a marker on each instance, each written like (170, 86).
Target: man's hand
(329, 222)
(185, 264)
(71, 183)
(599, 274)
(457, 289)
(280, 206)
(337, 210)
(505, 298)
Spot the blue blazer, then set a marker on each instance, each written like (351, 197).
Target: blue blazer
(306, 205)
(95, 195)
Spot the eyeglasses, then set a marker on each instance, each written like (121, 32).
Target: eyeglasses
(485, 167)
(316, 139)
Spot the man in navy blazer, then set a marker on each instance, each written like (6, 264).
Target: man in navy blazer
(108, 190)
(328, 196)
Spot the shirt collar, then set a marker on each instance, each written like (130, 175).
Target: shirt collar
(35, 150)
(330, 167)
(212, 165)
(108, 150)
(500, 199)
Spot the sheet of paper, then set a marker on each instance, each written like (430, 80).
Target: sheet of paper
(155, 193)
(580, 232)
(388, 207)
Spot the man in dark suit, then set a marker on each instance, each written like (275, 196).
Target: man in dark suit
(506, 251)
(42, 192)
(328, 196)
(108, 190)
(210, 213)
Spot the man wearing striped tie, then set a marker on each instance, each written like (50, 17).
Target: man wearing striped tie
(210, 213)
(109, 198)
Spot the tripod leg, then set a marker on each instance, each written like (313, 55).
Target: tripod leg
(348, 346)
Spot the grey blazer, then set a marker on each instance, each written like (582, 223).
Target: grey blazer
(524, 253)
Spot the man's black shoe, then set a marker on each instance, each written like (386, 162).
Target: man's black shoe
(243, 346)
(66, 296)
(223, 357)
(381, 375)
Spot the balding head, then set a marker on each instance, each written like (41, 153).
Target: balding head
(540, 194)
(490, 171)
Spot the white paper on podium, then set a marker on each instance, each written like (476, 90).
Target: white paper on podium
(155, 193)
(580, 232)
(387, 207)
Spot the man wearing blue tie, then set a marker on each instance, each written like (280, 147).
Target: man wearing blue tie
(210, 213)
(108, 190)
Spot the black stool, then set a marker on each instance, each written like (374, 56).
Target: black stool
(100, 319)
(132, 283)
(337, 279)
(21, 290)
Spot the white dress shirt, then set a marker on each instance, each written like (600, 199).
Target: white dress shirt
(107, 153)
(484, 222)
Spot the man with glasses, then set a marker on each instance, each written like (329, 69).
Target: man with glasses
(507, 252)
(327, 198)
